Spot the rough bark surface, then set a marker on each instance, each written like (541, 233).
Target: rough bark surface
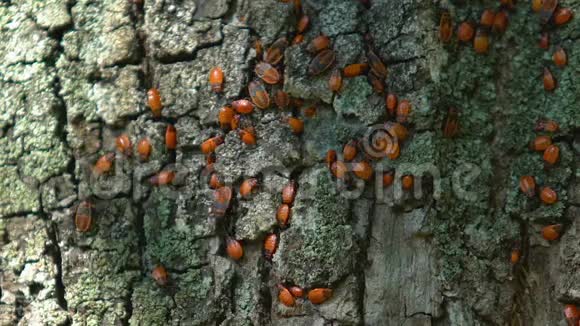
(73, 76)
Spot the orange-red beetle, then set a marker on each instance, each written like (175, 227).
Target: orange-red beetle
(210, 145)
(562, 16)
(283, 214)
(154, 101)
(259, 94)
(451, 124)
(537, 5)
(296, 291)
(319, 295)
(234, 249)
(159, 275)
(222, 198)
(377, 65)
(296, 124)
(349, 150)
(267, 73)
(170, 137)
(144, 149)
(259, 48)
(552, 154)
(335, 81)
(319, 43)
(544, 42)
(481, 41)
(487, 18)
(303, 24)
(397, 130)
(299, 38)
(376, 82)
(355, 69)
(104, 164)
(216, 79)
(408, 182)
(282, 99)
(289, 193)
(215, 181)
(285, 296)
(339, 170)
(276, 52)
(549, 80)
(270, 245)
(515, 256)
(243, 106)
(548, 7)
(547, 125)
(248, 187)
(516, 253)
(572, 315)
(248, 136)
(403, 111)
(528, 185)
(162, 178)
(465, 32)
(540, 143)
(310, 111)
(124, 144)
(391, 103)
(445, 27)
(225, 116)
(363, 170)
(560, 58)
(330, 157)
(210, 158)
(388, 178)
(324, 60)
(393, 149)
(548, 196)
(552, 232)
(500, 22)
(84, 216)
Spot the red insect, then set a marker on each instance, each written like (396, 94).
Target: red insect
(144, 149)
(282, 99)
(154, 101)
(222, 198)
(162, 178)
(289, 193)
(528, 185)
(549, 80)
(234, 249)
(318, 44)
(267, 73)
(170, 137)
(210, 145)
(377, 65)
(275, 53)
(243, 107)
(451, 125)
(259, 94)
(216, 79)
(445, 27)
(104, 164)
(270, 245)
(324, 60)
(159, 275)
(124, 144)
(84, 216)
(465, 32)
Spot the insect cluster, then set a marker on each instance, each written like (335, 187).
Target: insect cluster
(496, 22)
(267, 89)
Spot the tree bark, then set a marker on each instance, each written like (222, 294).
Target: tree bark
(74, 76)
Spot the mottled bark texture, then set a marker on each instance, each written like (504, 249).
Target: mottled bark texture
(74, 73)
